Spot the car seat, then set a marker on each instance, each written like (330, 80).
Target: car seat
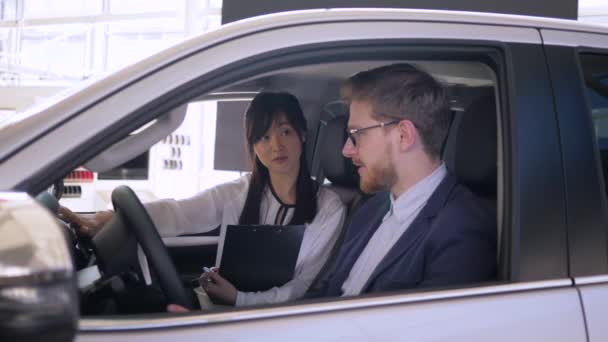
(470, 153)
(341, 177)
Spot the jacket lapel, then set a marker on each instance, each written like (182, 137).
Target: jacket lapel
(420, 225)
(370, 228)
(352, 249)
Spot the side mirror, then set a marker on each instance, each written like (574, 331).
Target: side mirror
(38, 292)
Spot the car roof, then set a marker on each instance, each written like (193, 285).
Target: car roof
(37, 120)
(463, 17)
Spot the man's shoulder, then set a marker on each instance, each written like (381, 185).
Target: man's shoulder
(453, 194)
(465, 210)
(463, 199)
(371, 207)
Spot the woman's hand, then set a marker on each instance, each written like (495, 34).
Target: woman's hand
(220, 290)
(176, 308)
(88, 225)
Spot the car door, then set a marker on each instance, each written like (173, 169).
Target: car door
(534, 298)
(579, 68)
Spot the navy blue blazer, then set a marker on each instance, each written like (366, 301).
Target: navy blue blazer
(452, 241)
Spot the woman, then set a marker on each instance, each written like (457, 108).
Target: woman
(279, 190)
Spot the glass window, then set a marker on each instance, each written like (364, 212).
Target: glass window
(215, 3)
(8, 9)
(55, 52)
(63, 8)
(205, 150)
(129, 42)
(132, 6)
(5, 47)
(595, 72)
(49, 43)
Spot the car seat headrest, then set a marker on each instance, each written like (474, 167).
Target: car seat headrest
(470, 151)
(336, 168)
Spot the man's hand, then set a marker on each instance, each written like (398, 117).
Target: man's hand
(220, 290)
(88, 225)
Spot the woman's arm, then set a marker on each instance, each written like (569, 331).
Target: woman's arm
(319, 238)
(198, 214)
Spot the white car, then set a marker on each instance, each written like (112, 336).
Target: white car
(530, 103)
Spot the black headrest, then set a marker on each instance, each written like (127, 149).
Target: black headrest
(470, 151)
(336, 168)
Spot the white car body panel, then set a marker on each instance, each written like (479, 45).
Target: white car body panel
(569, 38)
(473, 314)
(594, 295)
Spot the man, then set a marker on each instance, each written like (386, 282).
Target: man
(422, 228)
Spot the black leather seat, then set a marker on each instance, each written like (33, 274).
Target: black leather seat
(342, 178)
(470, 151)
(338, 170)
(471, 154)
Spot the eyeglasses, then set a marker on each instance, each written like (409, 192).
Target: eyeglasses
(353, 132)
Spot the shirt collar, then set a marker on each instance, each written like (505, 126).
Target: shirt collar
(416, 196)
(270, 195)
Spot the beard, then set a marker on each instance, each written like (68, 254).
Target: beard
(380, 176)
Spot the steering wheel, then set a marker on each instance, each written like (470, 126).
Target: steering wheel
(131, 218)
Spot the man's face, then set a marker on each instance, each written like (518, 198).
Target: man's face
(372, 151)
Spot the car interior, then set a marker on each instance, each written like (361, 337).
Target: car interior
(129, 244)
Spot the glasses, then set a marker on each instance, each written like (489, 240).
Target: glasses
(353, 132)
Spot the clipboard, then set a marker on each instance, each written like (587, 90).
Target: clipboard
(260, 257)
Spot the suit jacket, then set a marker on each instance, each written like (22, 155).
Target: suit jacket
(452, 241)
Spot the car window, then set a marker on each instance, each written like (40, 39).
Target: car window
(595, 71)
(208, 148)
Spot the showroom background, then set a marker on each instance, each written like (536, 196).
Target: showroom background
(47, 46)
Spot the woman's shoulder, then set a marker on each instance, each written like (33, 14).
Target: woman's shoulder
(328, 198)
(330, 210)
(240, 182)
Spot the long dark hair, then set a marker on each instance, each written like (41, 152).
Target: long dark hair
(263, 110)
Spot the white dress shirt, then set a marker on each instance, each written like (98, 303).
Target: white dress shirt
(402, 212)
(222, 206)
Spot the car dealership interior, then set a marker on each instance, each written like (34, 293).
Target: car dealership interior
(47, 46)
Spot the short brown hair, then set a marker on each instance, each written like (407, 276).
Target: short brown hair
(402, 91)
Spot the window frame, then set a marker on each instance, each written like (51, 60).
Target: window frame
(587, 206)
